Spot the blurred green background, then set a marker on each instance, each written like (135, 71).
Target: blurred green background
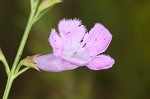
(129, 23)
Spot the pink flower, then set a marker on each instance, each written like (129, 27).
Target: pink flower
(75, 47)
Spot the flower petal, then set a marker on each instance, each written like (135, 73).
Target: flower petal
(78, 55)
(51, 63)
(56, 43)
(100, 62)
(71, 31)
(97, 40)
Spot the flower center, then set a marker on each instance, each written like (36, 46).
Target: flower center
(78, 56)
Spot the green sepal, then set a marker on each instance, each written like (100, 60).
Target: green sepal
(29, 62)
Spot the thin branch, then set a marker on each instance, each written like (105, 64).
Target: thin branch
(3, 59)
(22, 71)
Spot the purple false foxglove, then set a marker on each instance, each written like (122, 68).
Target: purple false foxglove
(74, 47)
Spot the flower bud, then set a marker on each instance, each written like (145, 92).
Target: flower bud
(44, 6)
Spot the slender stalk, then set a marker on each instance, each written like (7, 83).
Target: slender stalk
(3, 59)
(31, 4)
(17, 68)
(22, 44)
(22, 71)
(25, 36)
(8, 87)
(18, 56)
(6, 66)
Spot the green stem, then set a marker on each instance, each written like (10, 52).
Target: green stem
(22, 44)
(17, 68)
(8, 87)
(22, 71)
(3, 59)
(18, 56)
(6, 66)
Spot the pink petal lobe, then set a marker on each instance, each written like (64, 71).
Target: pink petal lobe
(56, 43)
(97, 40)
(51, 63)
(71, 31)
(100, 62)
